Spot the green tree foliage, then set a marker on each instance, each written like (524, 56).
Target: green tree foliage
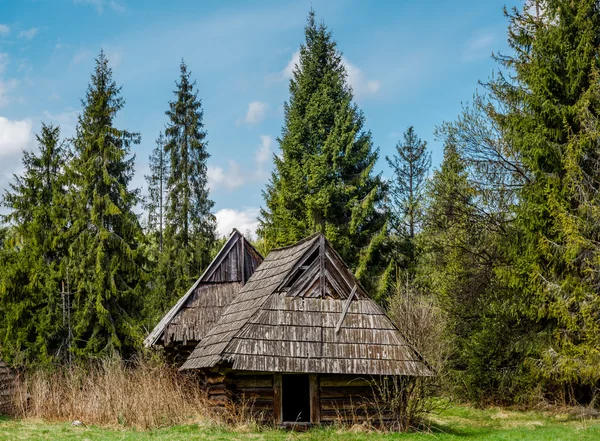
(410, 165)
(550, 113)
(323, 179)
(191, 227)
(155, 203)
(32, 256)
(106, 239)
(462, 250)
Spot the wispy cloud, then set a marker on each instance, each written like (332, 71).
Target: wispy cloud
(67, 120)
(28, 34)
(101, 5)
(4, 30)
(80, 56)
(229, 178)
(288, 71)
(244, 220)
(235, 176)
(361, 85)
(15, 136)
(3, 62)
(5, 88)
(478, 47)
(256, 113)
(263, 154)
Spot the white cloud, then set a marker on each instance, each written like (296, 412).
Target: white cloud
(360, 84)
(234, 176)
(288, 72)
(5, 87)
(3, 62)
(478, 47)
(4, 30)
(28, 34)
(100, 5)
(114, 55)
(230, 179)
(15, 136)
(257, 110)
(244, 220)
(67, 121)
(263, 154)
(80, 55)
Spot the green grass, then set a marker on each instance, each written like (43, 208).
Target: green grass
(455, 423)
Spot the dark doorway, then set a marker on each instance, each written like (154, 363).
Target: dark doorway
(295, 397)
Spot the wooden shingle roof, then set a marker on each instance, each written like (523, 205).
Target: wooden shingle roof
(202, 305)
(304, 311)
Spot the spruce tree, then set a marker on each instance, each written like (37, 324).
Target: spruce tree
(549, 114)
(323, 179)
(410, 165)
(191, 227)
(157, 191)
(32, 263)
(106, 251)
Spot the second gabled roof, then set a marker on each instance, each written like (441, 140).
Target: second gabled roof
(304, 311)
(235, 262)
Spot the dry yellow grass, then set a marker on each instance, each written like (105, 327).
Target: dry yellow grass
(143, 394)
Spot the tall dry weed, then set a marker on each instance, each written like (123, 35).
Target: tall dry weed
(143, 394)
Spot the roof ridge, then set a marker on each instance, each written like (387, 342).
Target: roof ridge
(300, 242)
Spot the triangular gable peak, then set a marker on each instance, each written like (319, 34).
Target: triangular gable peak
(304, 311)
(234, 263)
(321, 273)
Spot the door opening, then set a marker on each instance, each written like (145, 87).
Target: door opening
(295, 397)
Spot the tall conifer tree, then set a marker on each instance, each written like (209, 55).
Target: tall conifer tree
(32, 264)
(106, 252)
(323, 179)
(549, 114)
(157, 191)
(191, 227)
(410, 165)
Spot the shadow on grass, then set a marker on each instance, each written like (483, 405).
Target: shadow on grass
(445, 429)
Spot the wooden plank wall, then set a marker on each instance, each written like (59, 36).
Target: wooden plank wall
(335, 398)
(254, 390)
(7, 387)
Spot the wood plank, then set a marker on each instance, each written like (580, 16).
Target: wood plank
(315, 408)
(277, 403)
(345, 310)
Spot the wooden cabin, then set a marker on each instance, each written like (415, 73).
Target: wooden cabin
(304, 341)
(196, 312)
(7, 387)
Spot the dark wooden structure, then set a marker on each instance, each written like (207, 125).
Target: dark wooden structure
(303, 340)
(7, 387)
(198, 310)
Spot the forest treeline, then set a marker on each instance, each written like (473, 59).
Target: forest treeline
(501, 241)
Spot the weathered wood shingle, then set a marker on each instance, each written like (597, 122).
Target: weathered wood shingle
(201, 307)
(285, 319)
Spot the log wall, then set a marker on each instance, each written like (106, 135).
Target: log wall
(345, 399)
(7, 387)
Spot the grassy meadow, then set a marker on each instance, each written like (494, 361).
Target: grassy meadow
(454, 423)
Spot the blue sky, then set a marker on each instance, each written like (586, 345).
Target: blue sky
(410, 62)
